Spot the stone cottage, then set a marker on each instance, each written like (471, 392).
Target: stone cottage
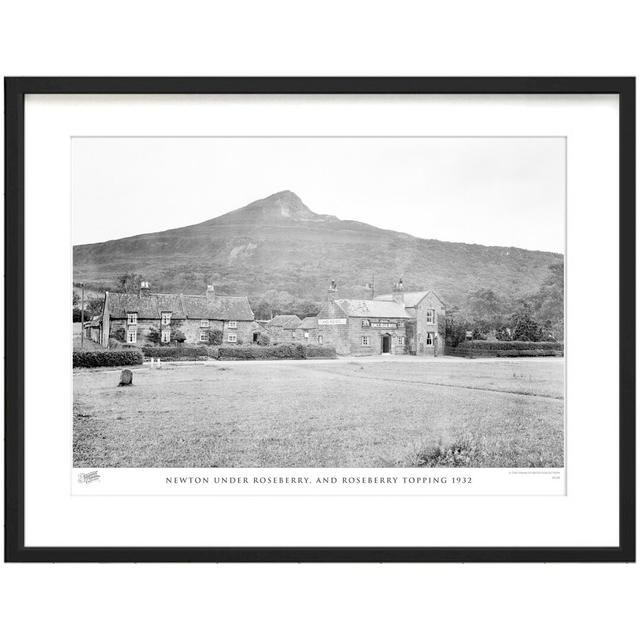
(132, 317)
(283, 328)
(307, 331)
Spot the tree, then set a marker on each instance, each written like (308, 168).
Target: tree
(304, 308)
(455, 327)
(525, 328)
(128, 283)
(153, 335)
(486, 310)
(93, 307)
(548, 303)
(261, 308)
(76, 299)
(503, 334)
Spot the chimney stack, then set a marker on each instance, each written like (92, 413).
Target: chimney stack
(211, 292)
(332, 292)
(144, 288)
(398, 292)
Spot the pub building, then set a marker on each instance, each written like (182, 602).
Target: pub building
(397, 323)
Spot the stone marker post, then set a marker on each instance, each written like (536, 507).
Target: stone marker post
(126, 378)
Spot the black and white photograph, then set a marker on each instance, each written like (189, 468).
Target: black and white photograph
(318, 302)
(388, 317)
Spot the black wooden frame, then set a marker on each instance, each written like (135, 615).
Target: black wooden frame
(15, 91)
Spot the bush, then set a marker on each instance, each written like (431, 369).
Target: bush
(317, 351)
(287, 351)
(177, 336)
(263, 340)
(183, 352)
(516, 349)
(215, 337)
(121, 358)
(517, 345)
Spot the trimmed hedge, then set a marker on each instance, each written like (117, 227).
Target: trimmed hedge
(286, 351)
(317, 351)
(195, 352)
(515, 349)
(289, 351)
(483, 345)
(123, 358)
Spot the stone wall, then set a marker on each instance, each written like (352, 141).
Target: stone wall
(375, 334)
(278, 335)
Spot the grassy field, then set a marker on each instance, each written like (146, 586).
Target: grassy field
(346, 413)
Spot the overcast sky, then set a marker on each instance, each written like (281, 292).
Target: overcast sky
(491, 191)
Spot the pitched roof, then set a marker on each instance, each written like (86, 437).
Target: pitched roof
(218, 307)
(152, 305)
(285, 322)
(146, 306)
(310, 322)
(411, 298)
(372, 308)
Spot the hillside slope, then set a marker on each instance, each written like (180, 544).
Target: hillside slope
(278, 243)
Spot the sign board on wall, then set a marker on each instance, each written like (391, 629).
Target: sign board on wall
(331, 321)
(381, 324)
(384, 325)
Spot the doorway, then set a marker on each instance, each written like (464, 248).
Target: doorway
(255, 337)
(386, 343)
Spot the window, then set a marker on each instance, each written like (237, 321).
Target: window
(429, 339)
(166, 335)
(204, 336)
(306, 336)
(232, 337)
(319, 339)
(132, 318)
(166, 317)
(204, 324)
(232, 324)
(430, 316)
(364, 341)
(132, 335)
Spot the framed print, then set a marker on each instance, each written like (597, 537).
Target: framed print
(320, 319)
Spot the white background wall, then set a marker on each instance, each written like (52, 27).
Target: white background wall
(328, 38)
